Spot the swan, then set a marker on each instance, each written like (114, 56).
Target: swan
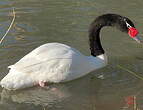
(56, 62)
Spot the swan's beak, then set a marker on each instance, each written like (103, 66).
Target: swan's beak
(133, 33)
(138, 39)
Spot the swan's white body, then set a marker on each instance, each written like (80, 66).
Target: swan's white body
(51, 62)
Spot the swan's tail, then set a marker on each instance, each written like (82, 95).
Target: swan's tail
(16, 80)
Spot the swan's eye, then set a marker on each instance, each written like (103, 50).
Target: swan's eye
(127, 24)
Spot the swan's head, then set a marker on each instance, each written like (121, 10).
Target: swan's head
(126, 25)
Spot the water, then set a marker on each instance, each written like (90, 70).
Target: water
(41, 21)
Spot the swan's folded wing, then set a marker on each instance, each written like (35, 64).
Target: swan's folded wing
(53, 63)
(48, 56)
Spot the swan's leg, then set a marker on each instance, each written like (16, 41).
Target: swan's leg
(42, 83)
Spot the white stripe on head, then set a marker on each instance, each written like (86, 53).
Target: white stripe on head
(128, 25)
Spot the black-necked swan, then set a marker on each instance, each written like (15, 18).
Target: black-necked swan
(56, 62)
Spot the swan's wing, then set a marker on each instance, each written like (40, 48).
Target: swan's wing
(48, 61)
(44, 54)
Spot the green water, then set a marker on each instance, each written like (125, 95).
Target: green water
(67, 21)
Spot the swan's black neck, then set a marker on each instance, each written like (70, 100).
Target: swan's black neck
(100, 22)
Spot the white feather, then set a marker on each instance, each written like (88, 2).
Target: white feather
(51, 62)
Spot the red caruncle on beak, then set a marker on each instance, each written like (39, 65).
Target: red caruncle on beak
(132, 32)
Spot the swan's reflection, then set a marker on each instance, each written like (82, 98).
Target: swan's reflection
(86, 94)
(37, 95)
(74, 95)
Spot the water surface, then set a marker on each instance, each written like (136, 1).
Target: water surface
(43, 21)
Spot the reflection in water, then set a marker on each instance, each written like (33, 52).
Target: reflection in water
(73, 95)
(87, 93)
(37, 96)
